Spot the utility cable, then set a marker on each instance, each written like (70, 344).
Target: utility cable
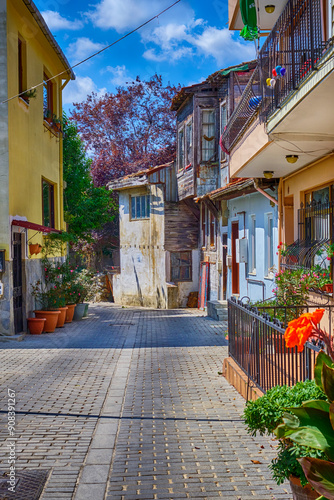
(93, 55)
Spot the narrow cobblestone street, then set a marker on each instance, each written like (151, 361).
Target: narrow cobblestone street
(128, 404)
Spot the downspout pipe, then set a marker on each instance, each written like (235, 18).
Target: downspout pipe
(271, 198)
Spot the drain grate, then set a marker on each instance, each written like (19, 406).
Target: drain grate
(29, 484)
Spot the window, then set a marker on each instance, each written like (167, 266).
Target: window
(203, 215)
(48, 204)
(47, 98)
(212, 230)
(269, 245)
(181, 148)
(181, 266)
(22, 66)
(189, 141)
(140, 207)
(252, 245)
(223, 123)
(208, 134)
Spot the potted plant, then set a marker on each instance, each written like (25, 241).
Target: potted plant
(48, 301)
(266, 413)
(35, 248)
(312, 423)
(36, 325)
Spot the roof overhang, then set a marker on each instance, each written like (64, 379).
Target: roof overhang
(48, 35)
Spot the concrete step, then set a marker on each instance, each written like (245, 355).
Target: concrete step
(217, 310)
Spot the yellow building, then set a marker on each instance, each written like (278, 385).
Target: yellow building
(31, 176)
(284, 125)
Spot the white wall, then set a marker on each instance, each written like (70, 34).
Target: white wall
(142, 258)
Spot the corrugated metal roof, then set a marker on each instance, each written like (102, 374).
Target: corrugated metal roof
(121, 182)
(186, 92)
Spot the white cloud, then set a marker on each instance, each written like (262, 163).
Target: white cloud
(79, 89)
(120, 15)
(173, 42)
(168, 55)
(83, 47)
(119, 75)
(221, 45)
(56, 22)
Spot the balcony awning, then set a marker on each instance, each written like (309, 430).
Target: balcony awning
(34, 227)
(248, 14)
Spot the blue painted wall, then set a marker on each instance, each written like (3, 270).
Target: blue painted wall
(260, 283)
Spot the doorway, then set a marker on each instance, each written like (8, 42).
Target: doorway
(17, 283)
(235, 264)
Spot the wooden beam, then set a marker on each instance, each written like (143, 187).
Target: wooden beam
(212, 207)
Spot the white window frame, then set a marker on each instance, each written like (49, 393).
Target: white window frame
(181, 148)
(252, 244)
(269, 245)
(208, 146)
(223, 105)
(188, 141)
(144, 201)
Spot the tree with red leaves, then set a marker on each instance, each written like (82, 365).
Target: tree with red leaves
(128, 131)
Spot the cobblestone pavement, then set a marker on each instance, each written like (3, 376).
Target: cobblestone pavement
(128, 404)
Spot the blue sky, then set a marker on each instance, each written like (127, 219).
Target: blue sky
(184, 45)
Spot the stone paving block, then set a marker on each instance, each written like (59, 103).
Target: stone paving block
(176, 428)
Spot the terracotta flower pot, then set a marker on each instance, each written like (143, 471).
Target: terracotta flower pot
(328, 288)
(51, 318)
(69, 313)
(61, 317)
(36, 325)
(34, 248)
(300, 492)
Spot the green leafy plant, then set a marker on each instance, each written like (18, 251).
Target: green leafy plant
(47, 298)
(312, 423)
(266, 413)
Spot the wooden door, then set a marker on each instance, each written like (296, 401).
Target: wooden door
(235, 264)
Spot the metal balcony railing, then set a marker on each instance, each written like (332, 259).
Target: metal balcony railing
(315, 234)
(297, 44)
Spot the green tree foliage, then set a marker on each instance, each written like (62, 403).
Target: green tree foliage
(86, 207)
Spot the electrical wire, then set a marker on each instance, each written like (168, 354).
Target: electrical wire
(93, 55)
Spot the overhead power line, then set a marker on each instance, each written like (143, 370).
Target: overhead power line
(93, 55)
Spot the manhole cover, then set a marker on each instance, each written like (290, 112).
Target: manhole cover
(29, 485)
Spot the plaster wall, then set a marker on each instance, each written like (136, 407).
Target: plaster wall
(142, 280)
(4, 155)
(34, 150)
(251, 143)
(259, 206)
(311, 178)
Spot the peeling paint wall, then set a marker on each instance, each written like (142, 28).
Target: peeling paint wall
(142, 280)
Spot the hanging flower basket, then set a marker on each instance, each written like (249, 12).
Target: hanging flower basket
(34, 248)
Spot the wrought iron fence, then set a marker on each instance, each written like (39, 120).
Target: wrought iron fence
(256, 344)
(296, 43)
(315, 234)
